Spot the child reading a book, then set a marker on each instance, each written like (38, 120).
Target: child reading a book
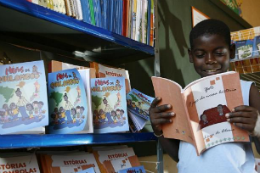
(210, 53)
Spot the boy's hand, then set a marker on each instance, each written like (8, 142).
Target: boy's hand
(244, 117)
(159, 116)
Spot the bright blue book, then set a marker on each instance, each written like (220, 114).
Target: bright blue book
(138, 169)
(85, 11)
(148, 22)
(67, 102)
(109, 104)
(97, 12)
(256, 46)
(138, 103)
(23, 97)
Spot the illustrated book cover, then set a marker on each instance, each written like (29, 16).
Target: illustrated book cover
(109, 105)
(26, 164)
(105, 158)
(23, 97)
(108, 71)
(200, 109)
(69, 163)
(67, 102)
(137, 169)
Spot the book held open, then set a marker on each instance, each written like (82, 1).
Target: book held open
(200, 109)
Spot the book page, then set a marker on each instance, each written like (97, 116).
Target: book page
(207, 102)
(170, 92)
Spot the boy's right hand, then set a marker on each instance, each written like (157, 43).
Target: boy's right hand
(159, 116)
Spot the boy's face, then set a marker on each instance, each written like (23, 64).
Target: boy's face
(211, 54)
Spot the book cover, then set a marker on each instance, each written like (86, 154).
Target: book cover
(108, 71)
(105, 156)
(109, 105)
(86, 75)
(19, 164)
(256, 46)
(244, 49)
(67, 102)
(133, 18)
(115, 165)
(137, 169)
(138, 103)
(200, 110)
(70, 163)
(23, 97)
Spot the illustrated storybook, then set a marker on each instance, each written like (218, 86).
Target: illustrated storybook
(137, 169)
(74, 163)
(108, 160)
(26, 163)
(23, 97)
(109, 105)
(138, 105)
(108, 71)
(200, 109)
(67, 102)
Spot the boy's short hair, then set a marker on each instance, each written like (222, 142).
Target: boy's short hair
(210, 26)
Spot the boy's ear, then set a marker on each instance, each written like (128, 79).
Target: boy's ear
(232, 50)
(190, 55)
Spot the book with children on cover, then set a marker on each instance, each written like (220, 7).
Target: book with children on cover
(200, 109)
(109, 105)
(67, 102)
(23, 97)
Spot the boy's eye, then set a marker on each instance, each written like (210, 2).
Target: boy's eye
(219, 54)
(199, 55)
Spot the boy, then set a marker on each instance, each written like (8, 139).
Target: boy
(210, 54)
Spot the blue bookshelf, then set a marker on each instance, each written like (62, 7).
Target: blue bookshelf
(63, 140)
(37, 16)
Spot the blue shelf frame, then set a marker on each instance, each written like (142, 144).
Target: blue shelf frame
(64, 140)
(66, 21)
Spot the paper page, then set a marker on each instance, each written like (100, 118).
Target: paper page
(170, 92)
(207, 102)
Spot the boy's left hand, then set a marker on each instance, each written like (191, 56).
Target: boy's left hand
(244, 117)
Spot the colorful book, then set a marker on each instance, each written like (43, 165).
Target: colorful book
(103, 157)
(72, 163)
(200, 110)
(108, 71)
(67, 102)
(137, 169)
(26, 163)
(86, 75)
(109, 105)
(23, 97)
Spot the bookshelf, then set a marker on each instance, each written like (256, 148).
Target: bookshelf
(36, 26)
(33, 26)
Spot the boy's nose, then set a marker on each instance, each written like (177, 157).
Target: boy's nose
(210, 59)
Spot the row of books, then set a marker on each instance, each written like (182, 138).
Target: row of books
(76, 101)
(247, 43)
(112, 159)
(131, 18)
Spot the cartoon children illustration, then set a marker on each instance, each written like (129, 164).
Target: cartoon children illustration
(67, 107)
(36, 108)
(114, 116)
(14, 111)
(73, 114)
(107, 110)
(55, 116)
(21, 104)
(62, 115)
(102, 116)
(2, 116)
(82, 113)
(29, 108)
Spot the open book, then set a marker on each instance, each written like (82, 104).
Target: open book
(200, 109)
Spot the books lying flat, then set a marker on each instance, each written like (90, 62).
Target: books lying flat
(200, 110)
(23, 97)
(67, 102)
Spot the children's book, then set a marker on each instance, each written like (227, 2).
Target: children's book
(86, 75)
(67, 102)
(23, 97)
(19, 164)
(108, 71)
(138, 105)
(103, 157)
(69, 163)
(200, 109)
(109, 104)
(244, 49)
(115, 165)
(137, 169)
